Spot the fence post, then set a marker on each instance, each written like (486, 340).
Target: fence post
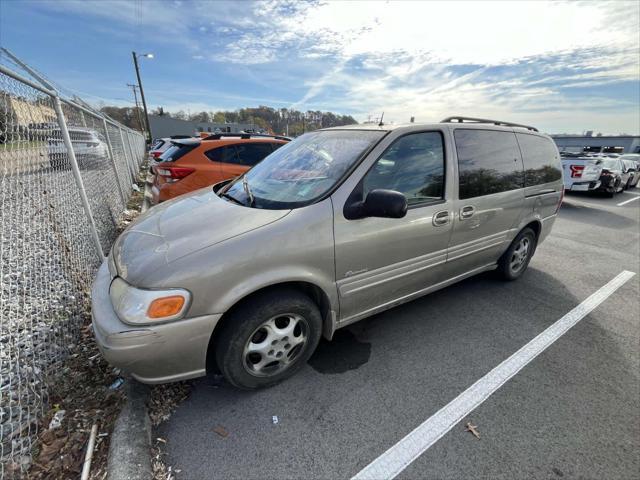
(113, 162)
(76, 173)
(126, 156)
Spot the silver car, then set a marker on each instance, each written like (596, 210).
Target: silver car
(338, 225)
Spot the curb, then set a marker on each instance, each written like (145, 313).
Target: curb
(130, 448)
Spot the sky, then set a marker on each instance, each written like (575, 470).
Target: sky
(561, 66)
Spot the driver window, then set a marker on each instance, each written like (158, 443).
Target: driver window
(413, 165)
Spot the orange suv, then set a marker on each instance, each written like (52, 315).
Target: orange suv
(194, 163)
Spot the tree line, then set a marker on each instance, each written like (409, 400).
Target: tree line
(274, 120)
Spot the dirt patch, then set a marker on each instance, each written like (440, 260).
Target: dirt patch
(163, 400)
(83, 392)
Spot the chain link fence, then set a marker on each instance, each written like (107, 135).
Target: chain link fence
(66, 173)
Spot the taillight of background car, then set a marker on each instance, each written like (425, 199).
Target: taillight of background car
(576, 171)
(173, 174)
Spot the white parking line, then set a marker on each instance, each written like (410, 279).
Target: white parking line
(628, 201)
(402, 454)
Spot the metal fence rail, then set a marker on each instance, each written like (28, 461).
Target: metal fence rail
(66, 173)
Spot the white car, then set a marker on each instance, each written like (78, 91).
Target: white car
(88, 145)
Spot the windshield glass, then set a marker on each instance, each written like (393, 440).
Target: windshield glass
(610, 163)
(302, 170)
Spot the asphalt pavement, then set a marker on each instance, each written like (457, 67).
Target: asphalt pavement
(573, 412)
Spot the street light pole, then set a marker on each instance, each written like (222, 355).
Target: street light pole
(144, 102)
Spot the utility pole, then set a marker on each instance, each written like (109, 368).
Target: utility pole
(144, 102)
(135, 96)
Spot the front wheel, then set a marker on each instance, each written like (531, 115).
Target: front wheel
(516, 259)
(268, 338)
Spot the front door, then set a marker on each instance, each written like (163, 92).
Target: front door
(381, 261)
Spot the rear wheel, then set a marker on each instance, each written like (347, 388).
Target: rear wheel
(268, 338)
(516, 259)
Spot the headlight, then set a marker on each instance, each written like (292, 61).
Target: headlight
(138, 306)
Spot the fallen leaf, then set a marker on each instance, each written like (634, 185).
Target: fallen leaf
(472, 429)
(221, 431)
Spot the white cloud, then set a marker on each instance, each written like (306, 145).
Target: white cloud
(399, 56)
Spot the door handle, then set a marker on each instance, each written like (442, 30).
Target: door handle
(441, 218)
(467, 211)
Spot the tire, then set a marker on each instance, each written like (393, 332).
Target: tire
(513, 263)
(619, 187)
(256, 348)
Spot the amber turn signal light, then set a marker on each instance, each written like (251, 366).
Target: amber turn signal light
(165, 307)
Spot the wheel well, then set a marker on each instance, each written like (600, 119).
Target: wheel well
(314, 292)
(535, 226)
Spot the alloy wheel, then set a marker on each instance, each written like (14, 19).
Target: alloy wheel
(520, 254)
(275, 345)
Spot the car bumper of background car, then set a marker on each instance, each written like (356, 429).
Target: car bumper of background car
(584, 186)
(150, 353)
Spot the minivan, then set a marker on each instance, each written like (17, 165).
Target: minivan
(244, 277)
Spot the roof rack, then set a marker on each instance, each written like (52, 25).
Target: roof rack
(244, 135)
(484, 120)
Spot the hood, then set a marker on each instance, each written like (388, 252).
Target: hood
(180, 227)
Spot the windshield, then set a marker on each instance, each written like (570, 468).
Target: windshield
(610, 164)
(302, 170)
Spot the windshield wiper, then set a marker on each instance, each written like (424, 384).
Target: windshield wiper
(247, 190)
(232, 198)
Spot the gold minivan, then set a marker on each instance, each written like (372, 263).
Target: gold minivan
(337, 225)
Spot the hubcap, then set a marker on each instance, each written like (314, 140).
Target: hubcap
(275, 345)
(520, 254)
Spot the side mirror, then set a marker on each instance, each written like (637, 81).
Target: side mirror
(379, 203)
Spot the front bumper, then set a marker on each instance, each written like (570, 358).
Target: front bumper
(150, 353)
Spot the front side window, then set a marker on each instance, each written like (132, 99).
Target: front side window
(412, 165)
(540, 159)
(250, 154)
(488, 162)
(302, 170)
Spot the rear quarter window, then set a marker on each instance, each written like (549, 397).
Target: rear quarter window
(540, 158)
(488, 162)
(176, 152)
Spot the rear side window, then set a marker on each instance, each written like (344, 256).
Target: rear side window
(488, 162)
(540, 159)
(225, 154)
(250, 154)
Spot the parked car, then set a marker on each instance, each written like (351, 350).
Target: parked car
(194, 163)
(633, 169)
(89, 146)
(581, 173)
(634, 157)
(614, 176)
(333, 227)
